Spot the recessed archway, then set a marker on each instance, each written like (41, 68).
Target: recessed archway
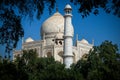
(60, 54)
(74, 57)
(85, 56)
(49, 54)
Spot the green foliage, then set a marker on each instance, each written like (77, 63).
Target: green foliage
(92, 6)
(44, 68)
(9, 71)
(102, 64)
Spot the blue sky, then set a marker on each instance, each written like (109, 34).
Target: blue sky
(100, 28)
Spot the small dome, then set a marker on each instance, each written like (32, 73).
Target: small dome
(68, 6)
(84, 41)
(54, 24)
(29, 39)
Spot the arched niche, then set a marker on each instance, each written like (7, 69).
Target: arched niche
(60, 54)
(49, 54)
(74, 58)
(85, 56)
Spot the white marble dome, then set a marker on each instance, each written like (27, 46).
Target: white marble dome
(29, 39)
(84, 41)
(54, 24)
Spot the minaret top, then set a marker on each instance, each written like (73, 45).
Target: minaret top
(68, 10)
(68, 7)
(56, 8)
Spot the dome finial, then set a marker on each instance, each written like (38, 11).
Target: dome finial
(92, 41)
(56, 8)
(76, 37)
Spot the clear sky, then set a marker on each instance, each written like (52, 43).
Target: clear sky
(100, 28)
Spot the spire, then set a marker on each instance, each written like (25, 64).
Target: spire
(56, 8)
(76, 37)
(43, 36)
(22, 41)
(92, 41)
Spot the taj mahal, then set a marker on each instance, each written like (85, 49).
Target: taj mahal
(57, 40)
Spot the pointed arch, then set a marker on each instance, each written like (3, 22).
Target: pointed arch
(60, 54)
(85, 56)
(49, 54)
(74, 58)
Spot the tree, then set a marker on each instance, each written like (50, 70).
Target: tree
(92, 6)
(44, 68)
(103, 62)
(9, 71)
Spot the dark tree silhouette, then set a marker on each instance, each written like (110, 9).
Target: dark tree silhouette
(103, 63)
(92, 6)
(44, 68)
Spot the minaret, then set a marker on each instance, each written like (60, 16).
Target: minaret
(93, 42)
(22, 41)
(76, 37)
(68, 35)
